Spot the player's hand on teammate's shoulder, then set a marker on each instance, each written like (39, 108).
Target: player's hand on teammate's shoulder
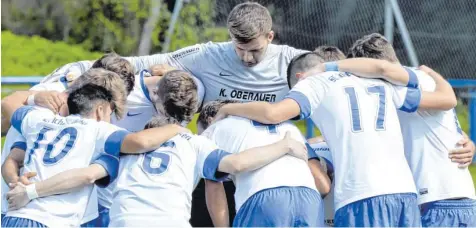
(463, 155)
(51, 100)
(296, 148)
(428, 70)
(160, 69)
(317, 139)
(17, 197)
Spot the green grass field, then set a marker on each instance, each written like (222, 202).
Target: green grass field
(462, 115)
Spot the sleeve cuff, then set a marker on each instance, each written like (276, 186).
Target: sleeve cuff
(311, 154)
(19, 145)
(303, 103)
(210, 167)
(412, 100)
(18, 117)
(114, 142)
(111, 165)
(412, 78)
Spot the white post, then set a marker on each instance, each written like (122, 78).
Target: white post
(173, 20)
(405, 36)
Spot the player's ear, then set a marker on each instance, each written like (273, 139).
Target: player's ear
(299, 75)
(270, 36)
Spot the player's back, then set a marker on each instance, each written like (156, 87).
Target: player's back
(235, 134)
(156, 187)
(56, 144)
(358, 118)
(429, 135)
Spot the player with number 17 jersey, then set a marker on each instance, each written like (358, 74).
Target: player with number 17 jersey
(358, 118)
(55, 144)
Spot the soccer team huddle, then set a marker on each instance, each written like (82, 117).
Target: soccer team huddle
(103, 143)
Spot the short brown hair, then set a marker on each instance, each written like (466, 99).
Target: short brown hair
(110, 81)
(301, 63)
(329, 53)
(373, 46)
(210, 110)
(178, 93)
(118, 65)
(159, 121)
(249, 20)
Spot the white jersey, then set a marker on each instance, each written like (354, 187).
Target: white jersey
(55, 144)
(224, 76)
(429, 135)
(321, 151)
(155, 188)
(140, 109)
(68, 72)
(13, 135)
(246, 134)
(358, 118)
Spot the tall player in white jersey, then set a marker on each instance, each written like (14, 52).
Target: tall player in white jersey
(446, 193)
(282, 193)
(358, 118)
(56, 144)
(156, 188)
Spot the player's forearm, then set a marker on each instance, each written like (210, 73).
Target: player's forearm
(253, 158)
(217, 203)
(11, 103)
(259, 111)
(374, 68)
(10, 171)
(149, 139)
(70, 180)
(443, 98)
(322, 181)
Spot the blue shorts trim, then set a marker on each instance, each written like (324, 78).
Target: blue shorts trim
(449, 213)
(392, 210)
(101, 221)
(282, 207)
(9, 221)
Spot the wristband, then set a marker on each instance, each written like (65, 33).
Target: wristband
(331, 66)
(31, 100)
(31, 192)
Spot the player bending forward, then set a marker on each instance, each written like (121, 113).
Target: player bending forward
(55, 144)
(282, 193)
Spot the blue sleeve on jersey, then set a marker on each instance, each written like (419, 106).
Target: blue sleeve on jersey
(113, 143)
(303, 103)
(111, 165)
(412, 100)
(412, 78)
(210, 167)
(18, 117)
(310, 153)
(19, 145)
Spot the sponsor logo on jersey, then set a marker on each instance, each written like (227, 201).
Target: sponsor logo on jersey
(224, 74)
(185, 52)
(247, 96)
(133, 114)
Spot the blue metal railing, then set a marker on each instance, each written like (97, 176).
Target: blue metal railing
(456, 83)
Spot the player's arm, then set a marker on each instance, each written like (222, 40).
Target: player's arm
(64, 182)
(147, 140)
(263, 112)
(321, 179)
(217, 203)
(12, 165)
(185, 58)
(443, 98)
(465, 154)
(255, 158)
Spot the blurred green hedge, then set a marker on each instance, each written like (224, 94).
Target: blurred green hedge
(36, 56)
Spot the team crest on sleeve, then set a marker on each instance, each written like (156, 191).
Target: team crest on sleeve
(186, 51)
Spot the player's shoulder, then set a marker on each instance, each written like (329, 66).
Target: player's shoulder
(208, 47)
(425, 81)
(58, 86)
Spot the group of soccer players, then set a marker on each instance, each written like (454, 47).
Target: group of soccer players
(102, 143)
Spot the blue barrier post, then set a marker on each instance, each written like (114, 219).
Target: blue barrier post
(309, 128)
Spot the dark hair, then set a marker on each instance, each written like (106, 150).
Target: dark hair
(83, 100)
(210, 109)
(373, 46)
(329, 53)
(159, 121)
(249, 20)
(301, 63)
(115, 63)
(178, 93)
